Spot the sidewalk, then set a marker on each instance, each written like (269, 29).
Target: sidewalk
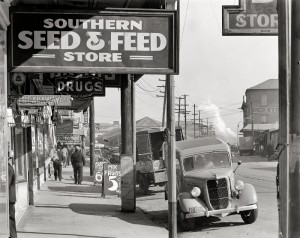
(64, 209)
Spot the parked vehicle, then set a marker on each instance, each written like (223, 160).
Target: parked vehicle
(246, 145)
(150, 162)
(206, 184)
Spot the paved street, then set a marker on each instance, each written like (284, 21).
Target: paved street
(254, 170)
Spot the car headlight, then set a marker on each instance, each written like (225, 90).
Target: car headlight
(195, 192)
(239, 185)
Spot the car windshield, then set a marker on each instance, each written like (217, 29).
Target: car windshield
(206, 161)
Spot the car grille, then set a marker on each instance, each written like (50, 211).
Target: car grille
(218, 193)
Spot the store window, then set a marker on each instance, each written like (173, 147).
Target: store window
(20, 154)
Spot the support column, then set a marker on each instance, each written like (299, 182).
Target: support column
(171, 157)
(128, 202)
(37, 156)
(92, 137)
(30, 167)
(284, 50)
(294, 152)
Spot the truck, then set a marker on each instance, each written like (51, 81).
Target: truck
(246, 145)
(150, 161)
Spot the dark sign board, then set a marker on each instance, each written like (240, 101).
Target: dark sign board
(136, 42)
(251, 17)
(65, 127)
(111, 179)
(83, 86)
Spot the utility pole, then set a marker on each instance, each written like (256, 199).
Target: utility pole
(285, 185)
(179, 109)
(199, 121)
(207, 126)
(165, 100)
(185, 112)
(195, 114)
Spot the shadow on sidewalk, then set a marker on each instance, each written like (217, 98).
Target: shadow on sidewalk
(76, 188)
(109, 210)
(43, 234)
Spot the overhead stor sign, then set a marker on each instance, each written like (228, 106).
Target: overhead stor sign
(251, 17)
(84, 86)
(106, 42)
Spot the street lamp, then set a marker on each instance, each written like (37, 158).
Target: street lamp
(237, 133)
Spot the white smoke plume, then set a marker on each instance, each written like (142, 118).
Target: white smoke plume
(221, 130)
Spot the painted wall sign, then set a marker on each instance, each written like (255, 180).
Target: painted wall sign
(44, 100)
(251, 17)
(265, 109)
(83, 86)
(94, 41)
(111, 179)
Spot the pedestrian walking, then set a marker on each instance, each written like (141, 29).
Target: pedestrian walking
(78, 161)
(64, 152)
(57, 164)
(12, 197)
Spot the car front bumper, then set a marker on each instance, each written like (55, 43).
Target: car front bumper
(208, 213)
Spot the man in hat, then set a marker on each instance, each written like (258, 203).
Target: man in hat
(78, 161)
(12, 196)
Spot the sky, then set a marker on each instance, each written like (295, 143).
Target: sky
(215, 71)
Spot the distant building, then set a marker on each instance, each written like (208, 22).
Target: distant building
(261, 108)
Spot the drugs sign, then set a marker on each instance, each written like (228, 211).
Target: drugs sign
(135, 42)
(84, 86)
(251, 17)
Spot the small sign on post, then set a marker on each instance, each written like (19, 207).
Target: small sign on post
(111, 180)
(251, 17)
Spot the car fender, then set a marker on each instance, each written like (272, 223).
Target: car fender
(248, 195)
(186, 201)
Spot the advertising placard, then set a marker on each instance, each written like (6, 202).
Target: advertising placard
(111, 179)
(136, 42)
(251, 17)
(98, 178)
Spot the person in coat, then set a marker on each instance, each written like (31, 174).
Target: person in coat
(12, 197)
(78, 161)
(57, 164)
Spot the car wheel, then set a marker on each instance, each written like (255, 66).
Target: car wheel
(250, 216)
(144, 184)
(184, 223)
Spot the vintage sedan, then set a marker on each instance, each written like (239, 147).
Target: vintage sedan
(206, 184)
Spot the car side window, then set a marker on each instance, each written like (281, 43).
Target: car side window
(188, 164)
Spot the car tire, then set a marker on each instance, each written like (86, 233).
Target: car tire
(250, 216)
(184, 223)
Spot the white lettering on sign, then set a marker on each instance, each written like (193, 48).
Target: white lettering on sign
(93, 57)
(94, 24)
(48, 40)
(79, 86)
(253, 20)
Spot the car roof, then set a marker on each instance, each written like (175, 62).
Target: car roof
(200, 145)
